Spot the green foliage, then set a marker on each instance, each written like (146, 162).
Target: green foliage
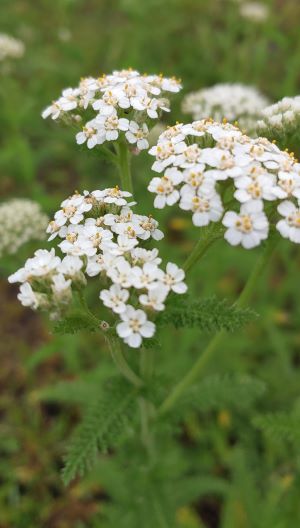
(76, 322)
(104, 425)
(280, 426)
(206, 314)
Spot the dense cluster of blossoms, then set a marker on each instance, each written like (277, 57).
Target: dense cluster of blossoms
(101, 236)
(118, 105)
(21, 220)
(233, 102)
(205, 164)
(10, 48)
(281, 118)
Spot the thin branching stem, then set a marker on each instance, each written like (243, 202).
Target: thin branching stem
(213, 345)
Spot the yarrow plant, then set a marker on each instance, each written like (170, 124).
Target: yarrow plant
(233, 102)
(21, 221)
(101, 236)
(243, 188)
(207, 167)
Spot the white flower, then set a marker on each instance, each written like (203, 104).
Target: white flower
(124, 245)
(89, 134)
(69, 99)
(109, 127)
(165, 190)
(115, 298)
(27, 297)
(260, 187)
(205, 207)
(138, 134)
(288, 185)
(247, 228)
(141, 256)
(149, 228)
(289, 227)
(121, 273)
(112, 196)
(255, 11)
(70, 265)
(60, 284)
(134, 327)
(173, 278)
(155, 298)
(145, 277)
(282, 117)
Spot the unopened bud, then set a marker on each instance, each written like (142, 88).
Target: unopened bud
(104, 326)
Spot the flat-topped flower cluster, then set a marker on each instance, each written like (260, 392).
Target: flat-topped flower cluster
(121, 104)
(101, 236)
(21, 221)
(281, 118)
(205, 165)
(234, 102)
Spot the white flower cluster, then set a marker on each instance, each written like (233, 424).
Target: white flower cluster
(101, 236)
(197, 159)
(255, 11)
(120, 104)
(10, 48)
(21, 220)
(280, 118)
(233, 102)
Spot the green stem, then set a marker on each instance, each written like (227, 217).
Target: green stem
(213, 234)
(146, 370)
(121, 363)
(124, 167)
(206, 356)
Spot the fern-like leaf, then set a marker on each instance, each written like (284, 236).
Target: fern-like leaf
(76, 322)
(280, 426)
(207, 314)
(105, 424)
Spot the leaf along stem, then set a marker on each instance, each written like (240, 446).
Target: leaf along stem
(208, 353)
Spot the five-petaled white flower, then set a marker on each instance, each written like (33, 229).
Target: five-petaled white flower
(115, 298)
(134, 327)
(247, 228)
(289, 226)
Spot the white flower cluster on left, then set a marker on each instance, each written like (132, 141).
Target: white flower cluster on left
(281, 118)
(10, 47)
(210, 167)
(101, 236)
(121, 104)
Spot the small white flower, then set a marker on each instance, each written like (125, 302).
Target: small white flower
(206, 208)
(173, 278)
(27, 297)
(60, 284)
(121, 273)
(115, 298)
(155, 298)
(289, 227)
(134, 327)
(145, 277)
(138, 134)
(247, 228)
(165, 190)
(89, 134)
(70, 265)
(110, 126)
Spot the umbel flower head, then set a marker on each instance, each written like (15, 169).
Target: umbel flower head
(21, 220)
(120, 105)
(218, 173)
(102, 237)
(233, 102)
(10, 48)
(280, 119)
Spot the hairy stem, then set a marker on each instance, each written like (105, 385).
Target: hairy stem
(208, 353)
(146, 370)
(212, 234)
(121, 363)
(124, 167)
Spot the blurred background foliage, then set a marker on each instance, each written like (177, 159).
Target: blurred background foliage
(247, 477)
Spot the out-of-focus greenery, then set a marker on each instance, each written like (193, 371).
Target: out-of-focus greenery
(241, 470)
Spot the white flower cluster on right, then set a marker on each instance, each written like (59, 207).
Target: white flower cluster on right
(21, 221)
(121, 105)
(101, 236)
(234, 102)
(205, 164)
(280, 118)
(10, 48)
